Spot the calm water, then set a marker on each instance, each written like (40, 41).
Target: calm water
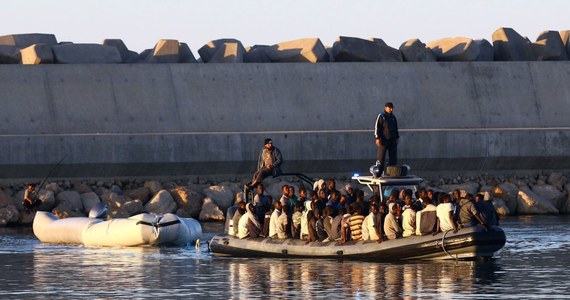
(533, 264)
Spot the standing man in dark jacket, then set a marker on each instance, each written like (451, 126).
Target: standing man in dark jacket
(269, 162)
(386, 134)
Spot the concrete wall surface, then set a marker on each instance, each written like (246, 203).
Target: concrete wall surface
(196, 119)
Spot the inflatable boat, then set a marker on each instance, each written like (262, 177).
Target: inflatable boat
(138, 230)
(467, 243)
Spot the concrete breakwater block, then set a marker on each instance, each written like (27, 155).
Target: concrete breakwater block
(186, 55)
(415, 50)
(455, 49)
(511, 46)
(126, 54)
(256, 54)
(329, 53)
(166, 51)
(351, 49)
(9, 54)
(565, 36)
(302, 50)
(549, 46)
(28, 39)
(37, 54)
(228, 53)
(222, 51)
(387, 53)
(486, 51)
(86, 54)
(143, 57)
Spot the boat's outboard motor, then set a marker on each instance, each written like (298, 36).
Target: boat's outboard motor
(229, 227)
(99, 211)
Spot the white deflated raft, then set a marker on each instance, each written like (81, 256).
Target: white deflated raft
(142, 229)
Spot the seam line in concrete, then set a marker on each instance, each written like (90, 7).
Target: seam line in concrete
(371, 131)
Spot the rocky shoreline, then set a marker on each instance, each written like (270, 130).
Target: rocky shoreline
(207, 200)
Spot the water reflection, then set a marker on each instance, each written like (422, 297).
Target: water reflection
(329, 278)
(534, 263)
(89, 269)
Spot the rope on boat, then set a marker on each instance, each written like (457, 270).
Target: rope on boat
(443, 245)
(156, 225)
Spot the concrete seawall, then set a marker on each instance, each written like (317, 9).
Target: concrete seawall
(198, 119)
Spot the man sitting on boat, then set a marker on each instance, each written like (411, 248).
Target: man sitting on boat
(312, 217)
(336, 224)
(273, 221)
(421, 196)
(284, 200)
(352, 226)
(269, 162)
(408, 215)
(392, 228)
(309, 206)
(296, 220)
(283, 223)
(248, 224)
(444, 213)
(370, 228)
(322, 234)
(468, 213)
(487, 210)
(426, 218)
(328, 214)
(261, 202)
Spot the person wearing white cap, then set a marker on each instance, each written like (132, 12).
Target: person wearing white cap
(350, 197)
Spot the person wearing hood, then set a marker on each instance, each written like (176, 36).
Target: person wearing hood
(304, 219)
(282, 230)
(350, 196)
(248, 224)
(392, 228)
(386, 135)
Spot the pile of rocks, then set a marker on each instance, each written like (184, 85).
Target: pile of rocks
(514, 195)
(507, 45)
(208, 201)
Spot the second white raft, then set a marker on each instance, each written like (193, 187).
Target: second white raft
(142, 229)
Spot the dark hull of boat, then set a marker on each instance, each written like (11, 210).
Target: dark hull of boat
(468, 243)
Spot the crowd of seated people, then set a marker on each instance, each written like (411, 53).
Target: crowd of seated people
(326, 214)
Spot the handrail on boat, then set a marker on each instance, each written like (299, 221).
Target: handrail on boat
(301, 176)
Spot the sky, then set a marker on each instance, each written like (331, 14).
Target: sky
(140, 24)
